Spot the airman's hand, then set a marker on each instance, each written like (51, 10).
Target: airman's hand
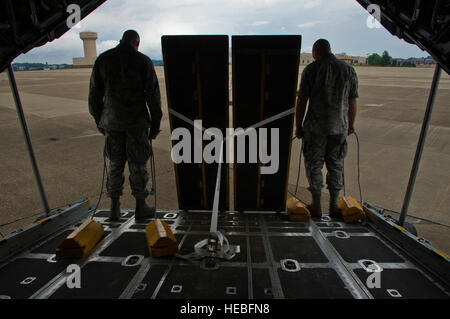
(351, 130)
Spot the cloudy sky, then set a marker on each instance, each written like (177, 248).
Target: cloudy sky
(343, 22)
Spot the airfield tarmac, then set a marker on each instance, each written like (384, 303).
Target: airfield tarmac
(69, 148)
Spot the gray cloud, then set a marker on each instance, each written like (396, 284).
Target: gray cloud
(343, 22)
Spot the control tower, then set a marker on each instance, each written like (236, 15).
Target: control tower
(90, 49)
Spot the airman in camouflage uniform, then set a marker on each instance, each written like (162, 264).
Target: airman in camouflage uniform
(331, 86)
(123, 89)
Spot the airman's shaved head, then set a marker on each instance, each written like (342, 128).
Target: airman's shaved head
(131, 37)
(320, 48)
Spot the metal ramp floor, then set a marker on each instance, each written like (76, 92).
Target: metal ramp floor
(321, 258)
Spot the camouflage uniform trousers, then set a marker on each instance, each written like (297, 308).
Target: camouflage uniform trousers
(132, 146)
(328, 149)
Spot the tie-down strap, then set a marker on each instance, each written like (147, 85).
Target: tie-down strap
(218, 247)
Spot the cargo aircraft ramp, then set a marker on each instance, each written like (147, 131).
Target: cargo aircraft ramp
(277, 258)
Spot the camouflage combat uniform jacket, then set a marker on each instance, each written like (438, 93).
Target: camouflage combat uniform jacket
(123, 89)
(328, 83)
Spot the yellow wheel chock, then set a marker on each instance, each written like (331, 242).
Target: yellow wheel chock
(351, 210)
(297, 210)
(160, 239)
(81, 241)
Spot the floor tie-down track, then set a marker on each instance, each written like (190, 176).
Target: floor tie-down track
(322, 258)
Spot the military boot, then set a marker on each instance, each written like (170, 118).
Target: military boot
(315, 208)
(142, 209)
(335, 212)
(114, 212)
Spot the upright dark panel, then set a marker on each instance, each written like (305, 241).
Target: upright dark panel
(265, 76)
(196, 72)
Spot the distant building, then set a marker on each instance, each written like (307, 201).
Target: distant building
(353, 60)
(397, 62)
(90, 50)
(34, 66)
(307, 58)
(422, 61)
(416, 61)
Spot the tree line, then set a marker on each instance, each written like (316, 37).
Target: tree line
(385, 60)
